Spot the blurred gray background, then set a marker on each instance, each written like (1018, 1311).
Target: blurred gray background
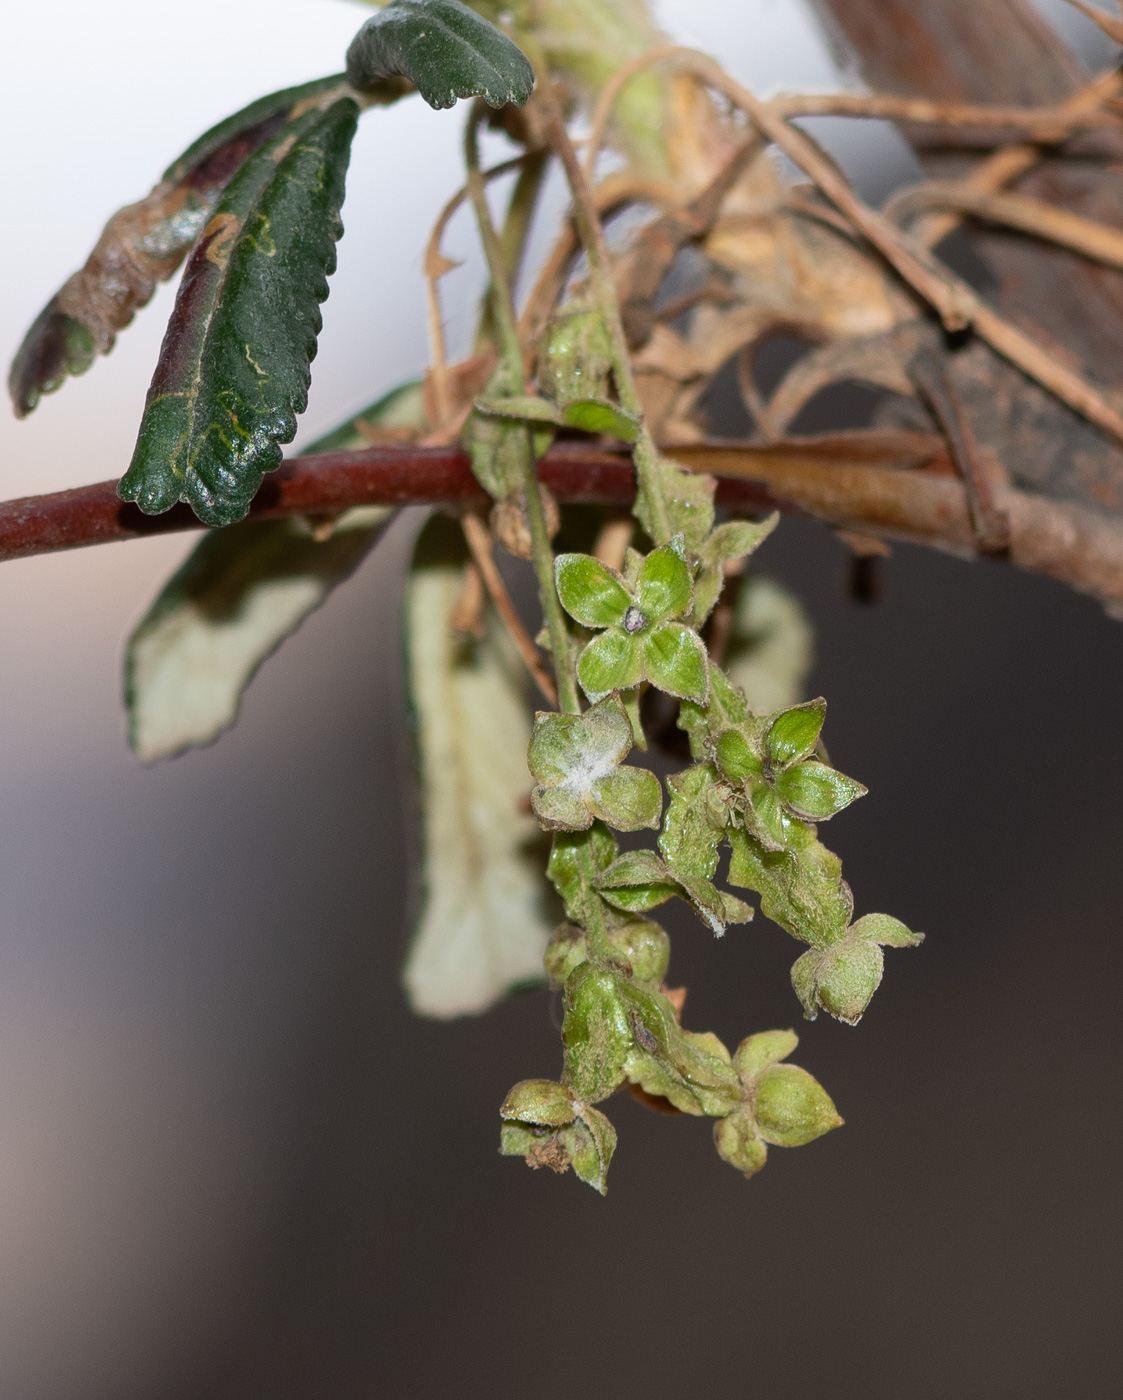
(233, 1165)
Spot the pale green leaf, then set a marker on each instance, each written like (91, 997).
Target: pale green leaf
(239, 594)
(483, 925)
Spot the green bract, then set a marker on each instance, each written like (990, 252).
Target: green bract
(576, 358)
(596, 1031)
(577, 761)
(642, 639)
(779, 782)
(688, 498)
(730, 541)
(843, 977)
(571, 856)
(782, 1105)
(542, 1123)
(694, 829)
(640, 943)
(588, 415)
(444, 48)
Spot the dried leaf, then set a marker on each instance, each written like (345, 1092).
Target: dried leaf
(234, 368)
(144, 243)
(483, 925)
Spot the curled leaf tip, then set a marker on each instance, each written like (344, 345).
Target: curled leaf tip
(444, 48)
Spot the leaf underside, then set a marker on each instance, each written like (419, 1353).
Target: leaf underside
(239, 594)
(447, 50)
(483, 925)
(234, 369)
(144, 243)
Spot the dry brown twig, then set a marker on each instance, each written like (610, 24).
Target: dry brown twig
(483, 553)
(954, 301)
(1088, 237)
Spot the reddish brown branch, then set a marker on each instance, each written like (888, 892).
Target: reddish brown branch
(332, 481)
(859, 481)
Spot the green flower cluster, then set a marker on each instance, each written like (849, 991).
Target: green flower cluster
(620, 1028)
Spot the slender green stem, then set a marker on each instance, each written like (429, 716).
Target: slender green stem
(516, 231)
(502, 302)
(503, 309)
(603, 286)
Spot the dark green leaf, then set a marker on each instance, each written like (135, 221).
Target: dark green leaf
(234, 367)
(444, 48)
(145, 243)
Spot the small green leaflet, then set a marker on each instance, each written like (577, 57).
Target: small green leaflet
(234, 367)
(588, 415)
(447, 50)
(144, 243)
(484, 923)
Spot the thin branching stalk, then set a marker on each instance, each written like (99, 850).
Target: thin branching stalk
(506, 325)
